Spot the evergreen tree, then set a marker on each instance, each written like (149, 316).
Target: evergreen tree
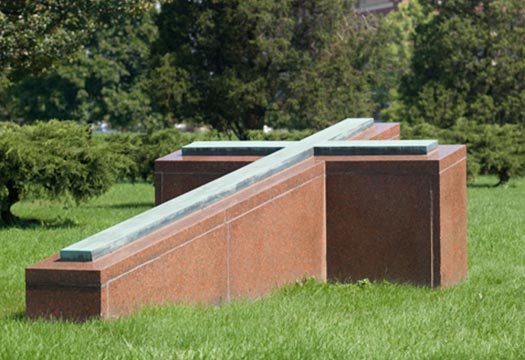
(465, 83)
(240, 64)
(468, 62)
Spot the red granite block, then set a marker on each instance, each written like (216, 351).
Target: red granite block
(401, 218)
(449, 155)
(152, 246)
(64, 273)
(387, 217)
(376, 224)
(192, 260)
(175, 162)
(68, 303)
(176, 174)
(180, 183)
(379, 131)
(280, 241)
(386, 131)
(453, 223)
(309, 169)
(194, 272)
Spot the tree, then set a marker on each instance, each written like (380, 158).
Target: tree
(55, 159)
(401, 26)
(465, 82)
(34, 34)
(240, 64)
(469, 61)
(104, 80)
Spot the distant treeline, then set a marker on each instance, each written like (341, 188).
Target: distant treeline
(448, 69)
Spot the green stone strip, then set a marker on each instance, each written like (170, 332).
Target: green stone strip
(132, 229)
(375, 147)
(233, 148)
(354, 147)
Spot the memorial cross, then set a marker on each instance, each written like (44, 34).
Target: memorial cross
(238, 219)
(278, 155)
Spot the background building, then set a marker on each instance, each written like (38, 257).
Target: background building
(382, 6)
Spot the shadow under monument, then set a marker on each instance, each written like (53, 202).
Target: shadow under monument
(130, 205)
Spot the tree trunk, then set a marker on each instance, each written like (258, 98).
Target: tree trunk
(239, 131)
(504, 177)
(7, 216)
(12, 198)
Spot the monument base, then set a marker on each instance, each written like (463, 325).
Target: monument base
(388, 217)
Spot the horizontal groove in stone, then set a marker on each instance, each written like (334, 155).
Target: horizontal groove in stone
(145, 223)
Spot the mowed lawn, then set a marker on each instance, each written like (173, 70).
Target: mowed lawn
(483, 318)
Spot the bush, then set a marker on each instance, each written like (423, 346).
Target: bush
(54, 159)
(501, 151)
(492, 148)
(140, 150)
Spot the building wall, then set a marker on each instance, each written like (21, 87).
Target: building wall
(381, 6)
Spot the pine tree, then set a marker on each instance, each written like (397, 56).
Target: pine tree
(295, 63)
(468, 62)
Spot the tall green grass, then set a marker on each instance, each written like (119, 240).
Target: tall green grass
(482, 318)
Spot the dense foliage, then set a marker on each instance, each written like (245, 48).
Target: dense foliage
(54, 159)
(235, 65)
(101, 81)
(241, 64)
(468, 62)
(447, 69)
(465, 82)
(492, 148)
(35, 34)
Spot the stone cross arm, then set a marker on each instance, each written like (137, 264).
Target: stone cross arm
(235, 219)
(278, 155)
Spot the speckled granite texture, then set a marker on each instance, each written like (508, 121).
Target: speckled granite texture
(399, 218)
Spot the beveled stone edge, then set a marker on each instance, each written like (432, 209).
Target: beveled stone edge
(375, 147)
(140, 225)
(233, 148)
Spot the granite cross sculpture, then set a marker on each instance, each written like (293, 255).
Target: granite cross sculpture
(237, 219)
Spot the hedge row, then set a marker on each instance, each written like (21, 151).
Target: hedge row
(137, 151)
(492, 149)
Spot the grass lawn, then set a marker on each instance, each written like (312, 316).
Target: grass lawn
(483, 318)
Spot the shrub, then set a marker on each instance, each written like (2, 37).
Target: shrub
(54, 159)
(140, 150)
(492, 148)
